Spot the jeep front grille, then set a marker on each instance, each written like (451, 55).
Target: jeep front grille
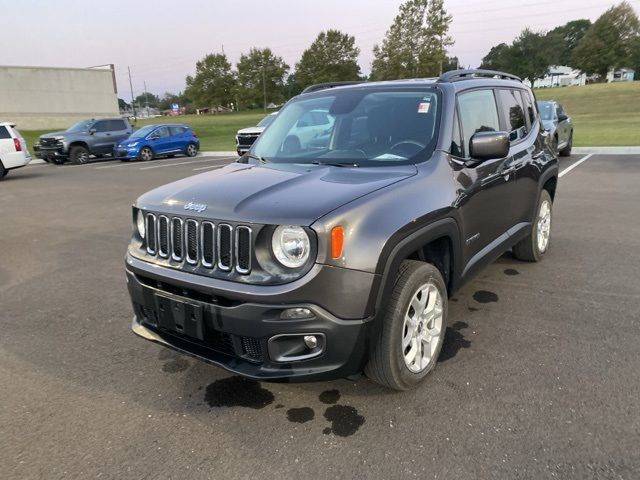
(204, 244)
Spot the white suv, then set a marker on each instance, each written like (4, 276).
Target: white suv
(13, 149)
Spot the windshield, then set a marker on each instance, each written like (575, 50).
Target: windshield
(81, 126)
(546, 110)
(266, 120)
(143, 132)
(354, 127)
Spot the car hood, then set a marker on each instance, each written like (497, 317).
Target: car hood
(257, 130)
(61, 133)
(270, 194)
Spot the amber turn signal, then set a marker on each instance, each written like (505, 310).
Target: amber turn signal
(337, 239)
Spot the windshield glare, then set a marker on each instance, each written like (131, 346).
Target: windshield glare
(266, 120)
(367, 127)
(142, 132)
(546, 110)
(81, 126)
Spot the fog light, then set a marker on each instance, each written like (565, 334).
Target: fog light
(311, 341)
(296, 314)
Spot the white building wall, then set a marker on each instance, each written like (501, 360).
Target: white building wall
(52, 98)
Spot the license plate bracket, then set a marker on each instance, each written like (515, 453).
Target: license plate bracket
(176, 315)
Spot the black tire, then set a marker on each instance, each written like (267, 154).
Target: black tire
(124, 159)
(3, 171)
(566, 151)
(145, 154)
(79, 155)
(191, 150)
(386, 364)
(57, 160)
(528, 249)
(171, 155)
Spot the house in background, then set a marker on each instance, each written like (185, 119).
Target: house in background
(621, 75)
(560, 76)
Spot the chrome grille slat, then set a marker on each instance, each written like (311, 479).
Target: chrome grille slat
(207, 244)
(177, 243)
(225, 247)
(150, 228)
(191, 241)
(243, 249)
(162, 237)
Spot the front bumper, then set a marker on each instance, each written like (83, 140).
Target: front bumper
(235, 334)
(48, 153)
(125, 152)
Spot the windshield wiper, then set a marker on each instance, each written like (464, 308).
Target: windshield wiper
(260, 159)
(336, 164)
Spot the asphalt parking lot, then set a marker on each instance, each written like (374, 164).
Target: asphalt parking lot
(538, 377)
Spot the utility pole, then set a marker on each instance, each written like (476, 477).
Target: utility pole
(133, 105)
(264, 89)
(146, 98)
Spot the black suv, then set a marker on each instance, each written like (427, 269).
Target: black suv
(312, 259)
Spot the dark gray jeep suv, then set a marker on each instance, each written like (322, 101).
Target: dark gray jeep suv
(316, 258)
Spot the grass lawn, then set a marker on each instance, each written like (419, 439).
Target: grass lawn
(603, 115)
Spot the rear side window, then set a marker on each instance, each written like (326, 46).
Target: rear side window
(4, 133)
(102, 126)
(513, 114)
(116, 125)
(478, 113)
(177, 130)
(530, 106)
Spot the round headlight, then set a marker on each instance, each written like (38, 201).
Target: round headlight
(291, 245)
(140, 223)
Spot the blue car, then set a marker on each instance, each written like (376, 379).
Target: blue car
(154, 141)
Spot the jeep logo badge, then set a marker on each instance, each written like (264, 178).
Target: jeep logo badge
(197, 207)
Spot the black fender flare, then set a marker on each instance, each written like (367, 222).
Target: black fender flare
(402, 244)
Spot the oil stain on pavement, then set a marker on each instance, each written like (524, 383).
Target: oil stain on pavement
(237, 392)
(453, 341)
(329, 396)
(345, 420)
(511, 272)
(176, 365)
(485, 296)
(300, 415)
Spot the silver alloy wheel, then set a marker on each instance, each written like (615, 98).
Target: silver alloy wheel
(192, 150)
(422, 328)
(83, 157)
(543, 227)
(146, 154)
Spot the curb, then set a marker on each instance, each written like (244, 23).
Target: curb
(607, 150)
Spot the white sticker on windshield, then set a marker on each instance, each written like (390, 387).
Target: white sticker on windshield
(424, 107)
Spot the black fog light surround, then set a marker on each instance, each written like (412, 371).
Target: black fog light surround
(296, 346)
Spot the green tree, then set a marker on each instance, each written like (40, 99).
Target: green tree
(261, 71)
(567, 37)
(531, 55)
(292, 87)
(169, 99)
(332, 57)
(450, 63)
(609, 43)
(143, 100)
(415, 44)
(122, 105)
(214, 82)
(498, 58)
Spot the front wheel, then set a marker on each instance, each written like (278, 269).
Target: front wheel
(146, 154)
(79, 155)
(533, 247)
(566, 151)
(191, 150)
(412, 333)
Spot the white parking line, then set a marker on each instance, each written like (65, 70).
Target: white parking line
(186, 163)
(571, 167)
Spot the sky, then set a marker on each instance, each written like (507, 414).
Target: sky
(161, 40)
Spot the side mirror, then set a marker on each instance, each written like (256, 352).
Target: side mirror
(489, 145)
(562, 117)
(92, 131)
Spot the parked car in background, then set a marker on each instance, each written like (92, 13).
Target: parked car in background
(83, 139)
(558, 124)
(246, 136)
(154, 141)
(13, 149)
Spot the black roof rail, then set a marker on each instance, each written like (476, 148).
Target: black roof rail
(322, 86)
(456, 75)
